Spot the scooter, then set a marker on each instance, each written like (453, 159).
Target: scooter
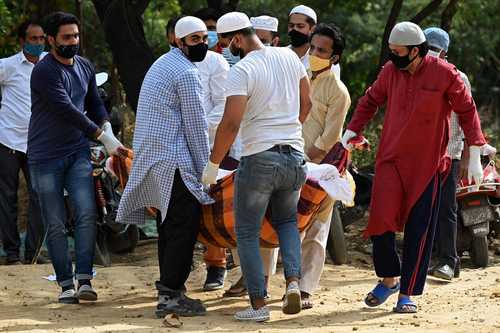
(479, 214)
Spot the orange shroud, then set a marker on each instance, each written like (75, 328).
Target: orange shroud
(217, 223)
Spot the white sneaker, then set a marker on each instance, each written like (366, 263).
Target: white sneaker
(250, 313)
(292, 303)
(68, 297)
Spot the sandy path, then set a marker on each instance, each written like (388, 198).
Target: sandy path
(127, 301)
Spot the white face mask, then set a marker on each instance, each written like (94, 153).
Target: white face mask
(433, 53)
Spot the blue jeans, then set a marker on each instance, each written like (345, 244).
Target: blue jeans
(48, 181)
(268, 179)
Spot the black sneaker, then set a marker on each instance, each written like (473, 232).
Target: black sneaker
(13, 261)
(215, 278)
(181, 305)
(443, 272)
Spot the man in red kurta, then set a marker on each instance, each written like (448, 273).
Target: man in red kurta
(419, 93)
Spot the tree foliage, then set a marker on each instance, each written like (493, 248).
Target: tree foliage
(117, 43)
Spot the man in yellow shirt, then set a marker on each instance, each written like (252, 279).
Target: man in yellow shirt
(321, 130)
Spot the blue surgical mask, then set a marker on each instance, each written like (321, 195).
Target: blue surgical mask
(212, 39)
(231, 59)
(34, 49)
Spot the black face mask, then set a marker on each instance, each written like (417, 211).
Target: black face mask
(297, 38)
(197, 53)
(67, 51)
(401, 62)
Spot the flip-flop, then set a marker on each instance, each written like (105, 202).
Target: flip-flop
(380, 294)
(405, 305)
(307, 303)
(235, 291)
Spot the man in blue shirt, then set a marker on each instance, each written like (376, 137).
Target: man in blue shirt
(63, 86)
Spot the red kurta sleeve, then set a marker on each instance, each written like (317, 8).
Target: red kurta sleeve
(463, 105)
(368, 105)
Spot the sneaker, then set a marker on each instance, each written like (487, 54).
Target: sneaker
(181, 305)
(87, 293)
(292, 303)
(13, 261)
(443, 272)
(68, 297)
(215, 278)
(250, 314)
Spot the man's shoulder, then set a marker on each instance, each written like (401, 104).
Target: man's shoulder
(11, 60)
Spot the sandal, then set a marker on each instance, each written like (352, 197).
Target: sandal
(405, 305)
(307, 303)
(380, 294)
(236, 290)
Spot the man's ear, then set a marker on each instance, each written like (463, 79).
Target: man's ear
(179, 42)
(276, 41)
(335, 59)
(51, 41)
(414, 52)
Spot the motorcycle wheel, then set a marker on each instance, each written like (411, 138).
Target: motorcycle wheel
(102, 255)
(479, 251)
(125, 241)
(336, 246)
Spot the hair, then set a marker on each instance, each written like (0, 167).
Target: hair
(310, 21)
(23, 28)
(250, 31)
(170, 27)
(206, 14)
(333, 32)
(53, 21)
(422, 48)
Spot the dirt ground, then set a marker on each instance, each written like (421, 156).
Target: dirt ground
(127, 301)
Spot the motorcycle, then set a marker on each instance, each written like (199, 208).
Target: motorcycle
(479, 214)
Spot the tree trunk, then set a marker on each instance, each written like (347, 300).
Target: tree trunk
(123, 28)
(447, 15)
(391, 21)
(426, 11)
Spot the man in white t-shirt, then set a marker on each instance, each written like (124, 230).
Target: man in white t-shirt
(268, 96)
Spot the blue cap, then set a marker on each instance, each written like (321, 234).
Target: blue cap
(437, 37)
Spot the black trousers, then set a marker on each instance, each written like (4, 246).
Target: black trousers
(177, 237)
(418, 236)
(11, 161)
(446, 233)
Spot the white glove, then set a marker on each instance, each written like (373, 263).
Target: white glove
(348, 135)
(108, 139)
(486, 149)
(210, 174)
(475, 171)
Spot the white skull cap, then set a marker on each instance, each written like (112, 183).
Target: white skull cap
(232, 21)
(304, 10)
(265, 22)
(188, 25)
(406, 33)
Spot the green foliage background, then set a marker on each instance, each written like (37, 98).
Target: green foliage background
(475, 41)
